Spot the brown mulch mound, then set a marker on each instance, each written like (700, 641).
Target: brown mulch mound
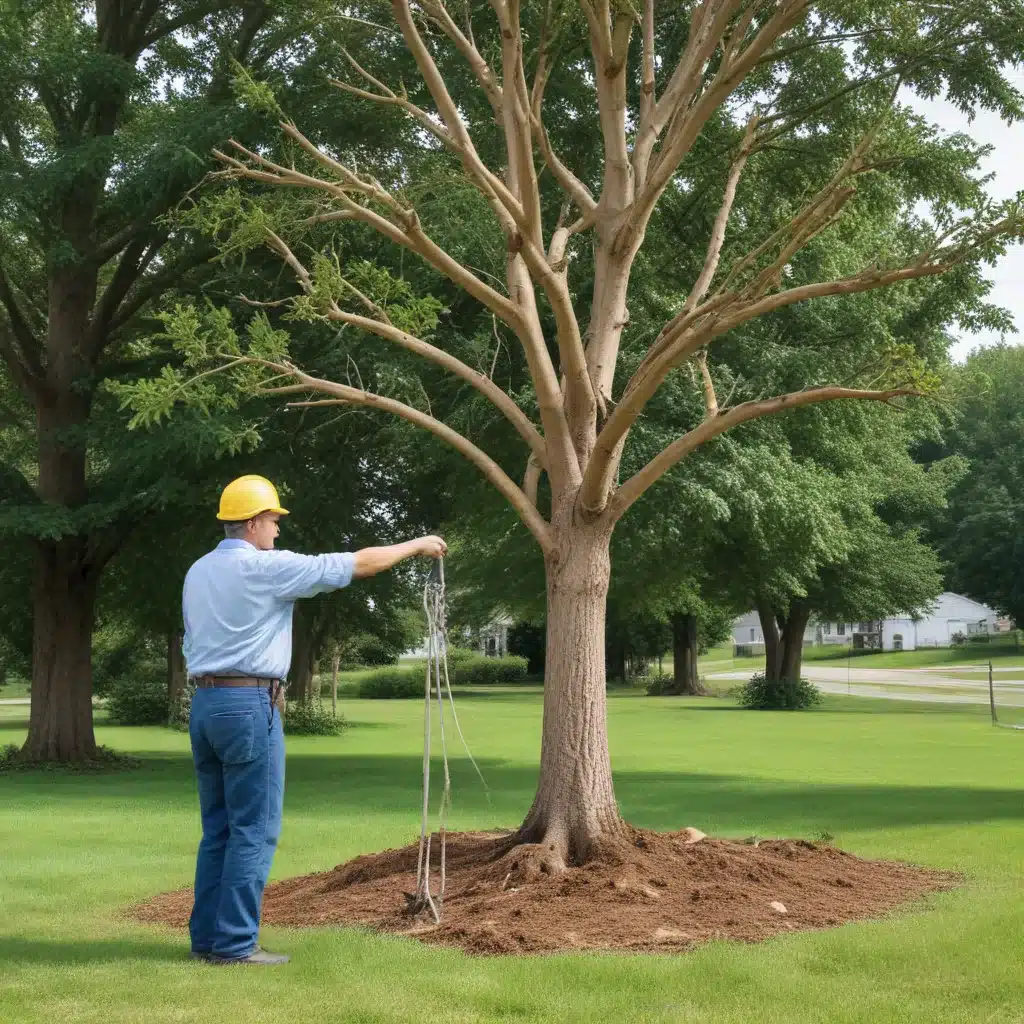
(651, 891)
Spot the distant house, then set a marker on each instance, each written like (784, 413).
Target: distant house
(950, 616)
(490, 640)
(493, 638)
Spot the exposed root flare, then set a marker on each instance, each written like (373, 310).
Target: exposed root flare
(532, 862)
(638, 890)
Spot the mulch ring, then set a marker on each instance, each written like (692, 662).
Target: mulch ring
(650, 892)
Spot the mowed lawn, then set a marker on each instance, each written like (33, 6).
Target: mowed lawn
(927, 783)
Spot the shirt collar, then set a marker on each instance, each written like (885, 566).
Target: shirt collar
(233, 544)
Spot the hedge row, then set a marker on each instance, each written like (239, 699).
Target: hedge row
(476, 669)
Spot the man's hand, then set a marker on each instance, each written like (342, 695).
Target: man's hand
(432, 547)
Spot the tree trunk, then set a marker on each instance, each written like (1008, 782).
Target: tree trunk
(574, 809)
(791, 663)
(335, 661)
(176, 671)
(67, 570)
(616, 660)
(684, 654)
(772, 641)
(300, 678)
(60, 722)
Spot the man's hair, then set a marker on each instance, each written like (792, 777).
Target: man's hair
(235, 530)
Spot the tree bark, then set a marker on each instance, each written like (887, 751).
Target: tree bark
(335, 661)
(792, 658)
(67, 570)
(300, 678)
(574, 809)
(177, 673)
(60, 720)
(617, 659)
(684, 653)
(772, 641)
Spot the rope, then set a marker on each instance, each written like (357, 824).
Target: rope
(437, 683)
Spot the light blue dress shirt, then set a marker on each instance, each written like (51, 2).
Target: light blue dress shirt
(237, 604)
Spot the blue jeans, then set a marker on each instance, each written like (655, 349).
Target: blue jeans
(238, 750)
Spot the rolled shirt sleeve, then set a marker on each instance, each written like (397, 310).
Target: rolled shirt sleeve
(290, 576)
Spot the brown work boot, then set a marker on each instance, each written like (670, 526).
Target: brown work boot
(259, 957)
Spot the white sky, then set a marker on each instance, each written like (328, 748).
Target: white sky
(1006, 162)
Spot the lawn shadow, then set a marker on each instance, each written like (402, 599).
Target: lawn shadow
(14, 950)
(740, 803)
(367, 784)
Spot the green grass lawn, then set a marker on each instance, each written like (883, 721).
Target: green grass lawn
(927, 783)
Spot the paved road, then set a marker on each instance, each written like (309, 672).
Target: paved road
(870, 682)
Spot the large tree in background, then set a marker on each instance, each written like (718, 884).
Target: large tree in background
(982, 537)
(109, 114)
(662, 83)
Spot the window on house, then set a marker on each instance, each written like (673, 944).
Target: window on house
(753, 635)
(841, 628)
(828, 629)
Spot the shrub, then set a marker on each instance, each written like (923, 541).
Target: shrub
(139, 698)
(181, 707)
(393, 683)
(483, 671)
(312, 718)
(117, 653)
(763, 694)
(658, 684)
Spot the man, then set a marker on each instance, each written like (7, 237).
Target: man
(237, 604)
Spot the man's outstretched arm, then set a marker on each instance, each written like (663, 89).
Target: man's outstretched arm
(370, 561)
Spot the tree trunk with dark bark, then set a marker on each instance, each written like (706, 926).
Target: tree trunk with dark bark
(772, 641)
(300, 677)
(684, 653)
(793, 640)
(177, 673)
(616, 667)
(67, 570)
(574, 809)
(60, 720)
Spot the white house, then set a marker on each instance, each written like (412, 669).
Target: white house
(951, 614)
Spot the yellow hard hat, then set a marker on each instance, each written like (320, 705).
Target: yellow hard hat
(247, 497)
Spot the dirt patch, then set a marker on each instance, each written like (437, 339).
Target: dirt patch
(651, 891)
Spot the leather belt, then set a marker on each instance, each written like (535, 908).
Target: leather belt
(211, 681)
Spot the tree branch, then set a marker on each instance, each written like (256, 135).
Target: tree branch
(717, 239)
(685, 120)
(408, 233)
(31, 385)
(710, 398)
(21, 331)
(494, 394)
(137, 256)
(729, 311)
(146, 289)
(713, 426)
(345, 395)
(531, 479)
(438, 13)
(382, 327)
